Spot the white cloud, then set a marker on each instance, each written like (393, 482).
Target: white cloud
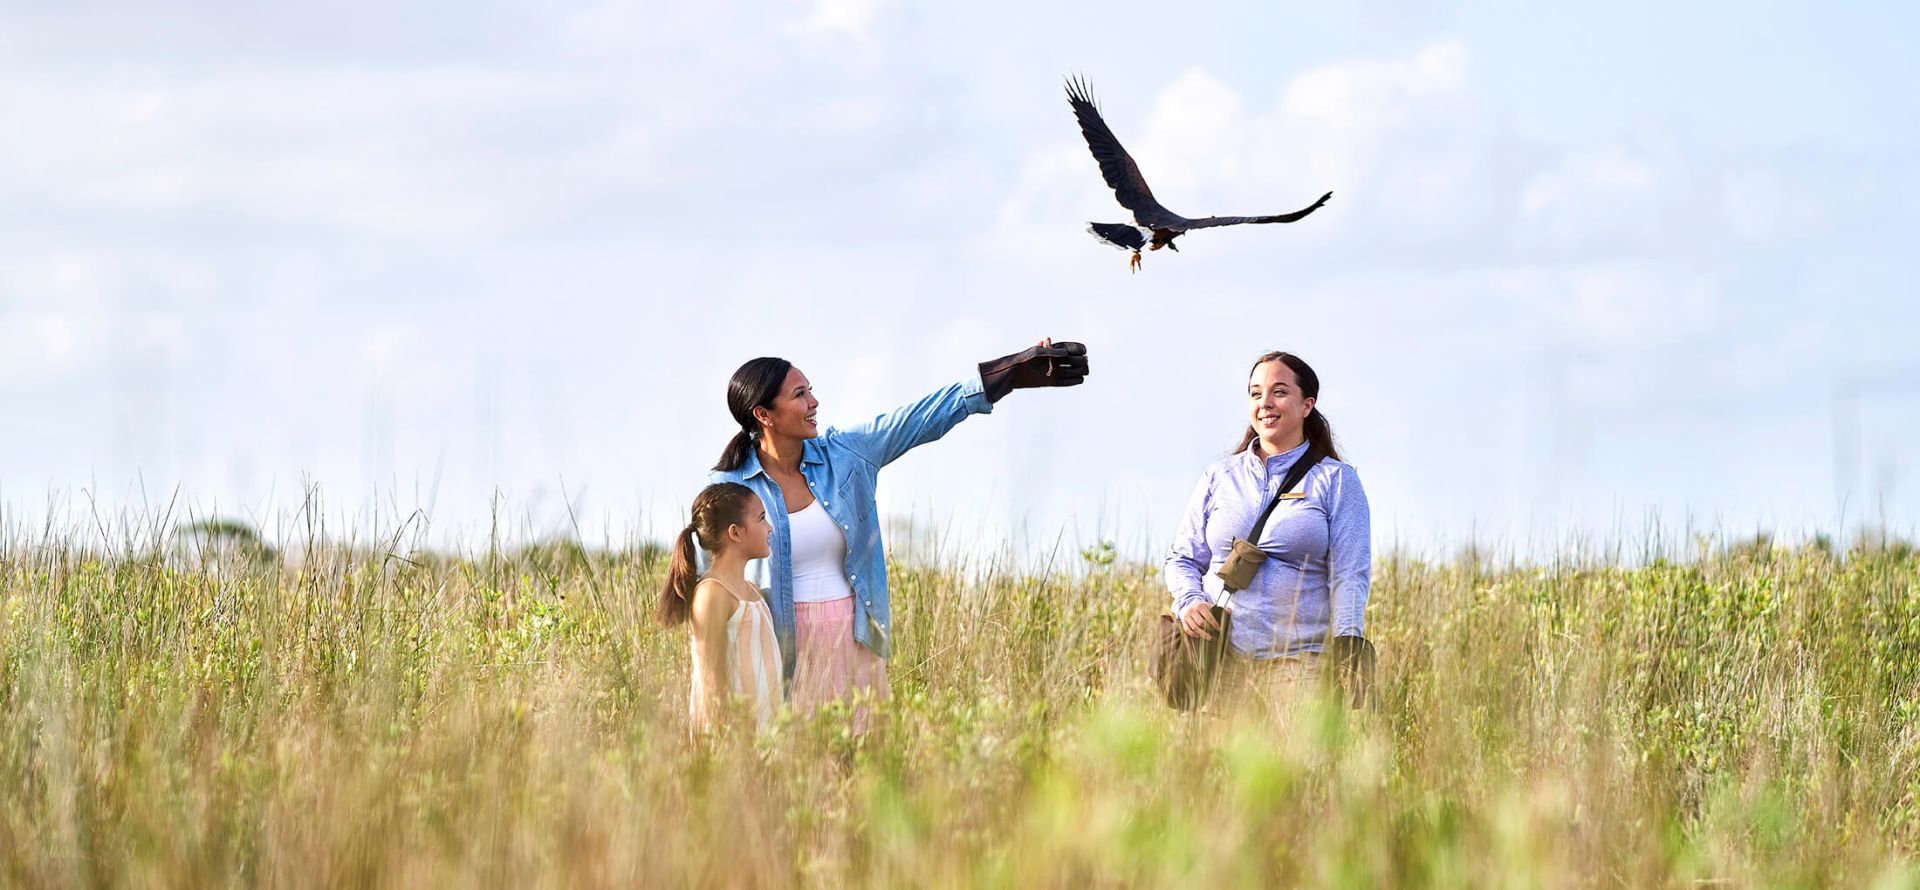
(1362, 96)
(847, 18)
(1590, 195)
(1638, 307)
(434, 151)
(1764, 208)
(52, 314)
(366, 152)
(38, 346)
(1195, 133)
(1609, 170)
(1056, 182)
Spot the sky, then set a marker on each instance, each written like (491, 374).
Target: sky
(479, 269)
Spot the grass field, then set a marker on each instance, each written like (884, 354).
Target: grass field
(338, 717)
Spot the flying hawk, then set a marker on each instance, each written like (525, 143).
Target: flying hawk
(1123, 175)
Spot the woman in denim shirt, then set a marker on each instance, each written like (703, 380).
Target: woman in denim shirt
(826, 580)
(1312, 589)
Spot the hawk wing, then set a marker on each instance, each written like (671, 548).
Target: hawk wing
(1120, 235)
(1116, 166)
(1208, 222)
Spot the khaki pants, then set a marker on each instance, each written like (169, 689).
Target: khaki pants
(1272, 688)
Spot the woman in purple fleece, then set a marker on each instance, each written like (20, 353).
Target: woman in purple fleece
(1312, 589)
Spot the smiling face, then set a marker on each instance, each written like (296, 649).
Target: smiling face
(1277, 409)
(791, 415)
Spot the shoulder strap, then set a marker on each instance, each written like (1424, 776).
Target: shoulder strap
(1295, 473)
(737, 598)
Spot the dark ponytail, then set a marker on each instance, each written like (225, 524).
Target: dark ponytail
(717, 507)
(1318, 431)
(676, 600)
(755, 385)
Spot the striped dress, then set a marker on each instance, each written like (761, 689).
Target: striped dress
(752, 666)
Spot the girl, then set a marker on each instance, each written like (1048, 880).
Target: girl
(735, 652)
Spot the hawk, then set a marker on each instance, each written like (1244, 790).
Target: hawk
(1130, 188)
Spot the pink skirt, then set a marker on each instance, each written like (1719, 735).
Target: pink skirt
(831, 665)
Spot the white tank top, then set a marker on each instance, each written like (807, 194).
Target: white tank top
(819, 556)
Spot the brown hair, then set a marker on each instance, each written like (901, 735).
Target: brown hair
(1319, 432)
(717, 507)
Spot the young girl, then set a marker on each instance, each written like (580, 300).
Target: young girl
(735, 653)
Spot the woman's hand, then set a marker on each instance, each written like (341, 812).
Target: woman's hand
(1198, 621)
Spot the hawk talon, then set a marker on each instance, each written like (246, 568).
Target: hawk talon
(1133, 263)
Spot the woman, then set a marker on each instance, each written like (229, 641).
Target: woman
(1312, 588)
(826, 579)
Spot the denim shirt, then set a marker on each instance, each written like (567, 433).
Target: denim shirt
(841, 467)
(1319, 552)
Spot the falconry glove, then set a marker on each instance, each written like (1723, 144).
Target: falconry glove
(1062, 364)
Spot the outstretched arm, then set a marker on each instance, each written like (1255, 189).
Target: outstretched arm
(884, 439)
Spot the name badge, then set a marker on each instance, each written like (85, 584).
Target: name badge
(1294, 496)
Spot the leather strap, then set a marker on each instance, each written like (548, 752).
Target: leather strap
(1295, 473)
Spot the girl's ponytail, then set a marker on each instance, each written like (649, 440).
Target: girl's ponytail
(676, 600)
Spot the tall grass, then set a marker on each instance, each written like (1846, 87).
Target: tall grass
(345, 716)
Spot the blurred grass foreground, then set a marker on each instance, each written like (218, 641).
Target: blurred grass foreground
(204, 710)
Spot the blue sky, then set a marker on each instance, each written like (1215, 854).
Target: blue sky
(1583, 270)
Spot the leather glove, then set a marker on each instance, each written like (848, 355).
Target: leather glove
(1062, 364)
